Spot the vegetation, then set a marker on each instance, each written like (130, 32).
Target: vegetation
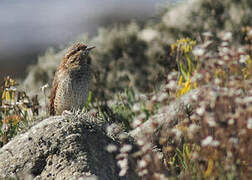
(17, 109)
(140, 70)
(213, 141)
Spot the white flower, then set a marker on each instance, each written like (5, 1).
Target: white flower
(172, 85)
(136, 107)
(227, 36)
(249, 123)
(215, 143)
(211, 122)
(44, 87)
(193, 128)
(143, 172)
(122, 163)
(217, 81)
(142, 164)
(224, 44)
(111, 148)
(126, 148)
(243, 59)
(26, 100)
(172, 75)
(162, 97)
(123, 172)
(220, 62)
(241, 50)
(113, 128)
(136, 123)
(248, 99)
(154, 98)
(195, 97)
(207, 34)
(231, 121)
(207, 43)
(250, 33)
(207, 141)
(122, 136)
(225, 50)
(198, 51)
(140, 142)
(250, 92)
(5, 127)
(200, 111)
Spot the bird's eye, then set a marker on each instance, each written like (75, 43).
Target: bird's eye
(84, 52)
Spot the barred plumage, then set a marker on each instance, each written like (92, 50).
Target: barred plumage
(71, 81)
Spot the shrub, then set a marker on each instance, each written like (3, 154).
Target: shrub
(213, 140)
(16, 109)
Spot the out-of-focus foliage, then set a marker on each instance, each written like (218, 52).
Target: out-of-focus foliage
(122, 60)
(16, 108)
(213, 141)
(125, 55)
(195, 17)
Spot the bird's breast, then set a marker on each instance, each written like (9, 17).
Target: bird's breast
(72, 91)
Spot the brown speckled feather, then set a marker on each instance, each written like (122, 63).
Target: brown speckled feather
(53, 94)
(71, 81)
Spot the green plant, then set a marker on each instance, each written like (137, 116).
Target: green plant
(186, 63)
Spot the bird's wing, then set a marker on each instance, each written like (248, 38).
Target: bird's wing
(53, 94)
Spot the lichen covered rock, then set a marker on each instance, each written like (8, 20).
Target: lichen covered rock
(61, 147)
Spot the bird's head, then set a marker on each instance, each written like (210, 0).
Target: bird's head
(78, 55)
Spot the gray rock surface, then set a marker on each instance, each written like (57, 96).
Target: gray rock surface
(61, 147)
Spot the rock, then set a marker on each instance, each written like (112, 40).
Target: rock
(62, 147)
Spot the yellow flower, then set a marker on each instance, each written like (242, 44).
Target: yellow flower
(185, 87)
(6, 96)
(184, 45)
(180, 80)
(209, 168)
(220, 74)
(247, 70)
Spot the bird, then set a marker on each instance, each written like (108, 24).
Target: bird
(71, 81)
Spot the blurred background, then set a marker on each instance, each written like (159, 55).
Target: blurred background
(29, 27)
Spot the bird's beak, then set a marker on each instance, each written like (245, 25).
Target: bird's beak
(90, 48)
